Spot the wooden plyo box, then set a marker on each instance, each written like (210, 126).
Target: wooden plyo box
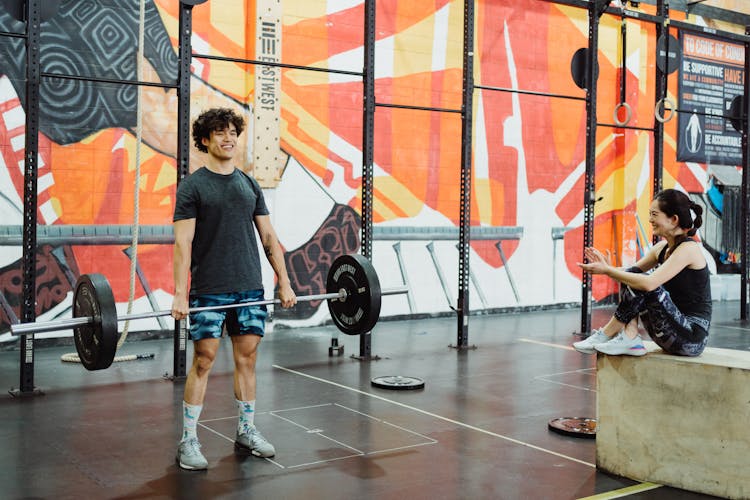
(677, 421)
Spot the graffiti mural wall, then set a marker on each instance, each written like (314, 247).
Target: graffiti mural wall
(528, 163)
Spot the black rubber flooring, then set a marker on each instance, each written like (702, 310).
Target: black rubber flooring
(478, 429)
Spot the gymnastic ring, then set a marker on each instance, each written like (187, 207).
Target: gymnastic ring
(628, 114)
(664, 102)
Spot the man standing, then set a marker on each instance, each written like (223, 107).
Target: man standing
(215, 246)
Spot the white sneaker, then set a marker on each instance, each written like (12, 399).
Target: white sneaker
(621, 344)
(251, 441)
(189, 455)
(587, 345)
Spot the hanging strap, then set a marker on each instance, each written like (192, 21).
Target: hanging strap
(137, 188)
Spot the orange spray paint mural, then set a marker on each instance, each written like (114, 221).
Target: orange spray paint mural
(528, 150)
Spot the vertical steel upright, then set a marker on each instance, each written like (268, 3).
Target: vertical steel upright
(183, 157)
(745, 204)
(660, 93)
(464, 230)
(595, 10)
(368, 147)
(30, 176)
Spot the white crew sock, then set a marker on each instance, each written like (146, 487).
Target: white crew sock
(247, 415)
(190, 414)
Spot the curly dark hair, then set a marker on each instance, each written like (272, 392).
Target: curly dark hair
(674, 202)
(212, 120)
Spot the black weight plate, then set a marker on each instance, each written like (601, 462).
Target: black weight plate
(675, 54)
(397, 383)
(193, 2)
(96, 342)
(737, 112)
(578, 64)
(361, 309)
(574, 426)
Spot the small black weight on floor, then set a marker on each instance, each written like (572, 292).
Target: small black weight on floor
(96, 342)
(397, 382)
(574, 426)
(361, 309)
(335, 348)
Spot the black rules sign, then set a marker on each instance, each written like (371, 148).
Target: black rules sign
(712, 73)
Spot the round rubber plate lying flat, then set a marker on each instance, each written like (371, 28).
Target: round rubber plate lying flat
(574, 426)
(397, 383)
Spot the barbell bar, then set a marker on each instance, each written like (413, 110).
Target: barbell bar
(352, 291)
(64, 324)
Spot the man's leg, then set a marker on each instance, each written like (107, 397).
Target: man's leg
(245, 350)
(249, 440)
(204, 355)
(189, 455)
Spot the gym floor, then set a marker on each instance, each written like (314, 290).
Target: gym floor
(478, 429)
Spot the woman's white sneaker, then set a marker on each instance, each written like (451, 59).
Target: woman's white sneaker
(621, 344)
(587, 345)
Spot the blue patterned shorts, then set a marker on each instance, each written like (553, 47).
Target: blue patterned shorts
(238, 321)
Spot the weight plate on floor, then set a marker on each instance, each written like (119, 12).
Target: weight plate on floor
(574, 426)
(361, 309)
(397, 383)
(96, 342)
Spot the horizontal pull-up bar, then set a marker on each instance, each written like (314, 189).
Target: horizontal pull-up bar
(530, 92)
(96, 79)
(11, 34)
(631, 127)
(277, 65)
(418, 108)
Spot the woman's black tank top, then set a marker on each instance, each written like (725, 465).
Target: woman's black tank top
(690, 289)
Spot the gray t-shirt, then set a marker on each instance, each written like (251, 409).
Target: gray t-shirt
(225, 254)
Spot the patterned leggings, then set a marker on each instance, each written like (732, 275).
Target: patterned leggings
(673, 331)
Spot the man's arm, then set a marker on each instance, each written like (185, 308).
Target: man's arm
(184, 230)
(275, 256)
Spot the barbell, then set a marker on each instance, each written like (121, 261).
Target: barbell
(352, 291)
